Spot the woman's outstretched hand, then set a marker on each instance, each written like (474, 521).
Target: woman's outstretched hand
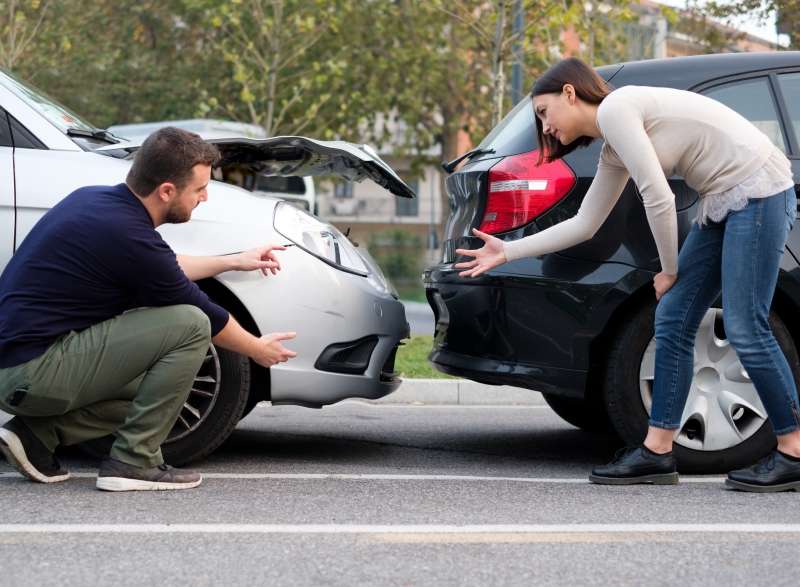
(490, 255)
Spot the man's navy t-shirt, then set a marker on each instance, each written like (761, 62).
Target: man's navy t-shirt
(91, 257)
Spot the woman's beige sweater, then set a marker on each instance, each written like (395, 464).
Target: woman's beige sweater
(651, 134)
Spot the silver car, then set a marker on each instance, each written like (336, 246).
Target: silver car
(347, 316)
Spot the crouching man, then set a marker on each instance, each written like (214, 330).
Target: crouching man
(102, 329)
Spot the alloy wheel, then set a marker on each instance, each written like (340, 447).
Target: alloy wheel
(723, 408)
(202, 397)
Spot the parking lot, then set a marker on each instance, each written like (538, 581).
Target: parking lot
(360, 493)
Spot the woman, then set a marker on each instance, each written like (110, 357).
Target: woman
(746, 210)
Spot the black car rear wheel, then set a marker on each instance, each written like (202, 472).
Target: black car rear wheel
(724, 425)
(586, 414)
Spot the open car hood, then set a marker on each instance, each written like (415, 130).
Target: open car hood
(301, 156)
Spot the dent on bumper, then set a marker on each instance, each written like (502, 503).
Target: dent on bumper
(563, 382)
(318, 388)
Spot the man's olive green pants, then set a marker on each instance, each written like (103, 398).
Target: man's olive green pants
(128, 376)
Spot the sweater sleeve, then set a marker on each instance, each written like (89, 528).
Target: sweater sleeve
(600, 198)
(153, 273)
(622, 124)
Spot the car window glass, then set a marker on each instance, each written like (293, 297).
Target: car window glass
(753, 100)
(285, 185)
(23, 138)
(790, 88)
(5, 131)
(516, 133)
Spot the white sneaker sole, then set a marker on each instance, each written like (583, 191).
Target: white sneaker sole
(124, 484)
(14, 452)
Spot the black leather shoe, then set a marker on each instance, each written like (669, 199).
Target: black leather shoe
(773, 473)
(632, 465)
(28, 455)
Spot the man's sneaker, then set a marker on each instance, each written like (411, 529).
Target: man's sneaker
(775, 472)
(638, 464)
(28, 455)
(115, 475)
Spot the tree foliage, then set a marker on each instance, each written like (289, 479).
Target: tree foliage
(409, 73)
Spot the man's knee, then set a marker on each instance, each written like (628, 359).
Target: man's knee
(194, 318)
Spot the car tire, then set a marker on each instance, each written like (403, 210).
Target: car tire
(585, 414)
(220, 421)
(224, 374)
(628, 414)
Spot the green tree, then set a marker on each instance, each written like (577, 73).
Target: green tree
(787, 11)
(294, 66)
(112, 60)
(20, 24)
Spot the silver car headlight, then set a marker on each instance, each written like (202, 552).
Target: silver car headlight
(325, 242)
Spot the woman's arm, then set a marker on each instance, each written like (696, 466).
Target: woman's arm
(600, 199)
(622, 123)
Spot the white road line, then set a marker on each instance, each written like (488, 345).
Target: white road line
(362, 403)
(392, 477)
(399, 528)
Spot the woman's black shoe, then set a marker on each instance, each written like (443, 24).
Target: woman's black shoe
(775, 472)
(632, 465)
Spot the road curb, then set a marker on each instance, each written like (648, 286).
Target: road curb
(461, 392)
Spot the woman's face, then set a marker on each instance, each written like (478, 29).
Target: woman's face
(558, 114)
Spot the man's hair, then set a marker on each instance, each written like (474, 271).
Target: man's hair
(168, 155)
(589, 87)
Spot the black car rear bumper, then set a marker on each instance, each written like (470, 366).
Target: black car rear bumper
(544, 378)
(527, 325)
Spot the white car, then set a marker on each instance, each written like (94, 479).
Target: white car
(348, 319)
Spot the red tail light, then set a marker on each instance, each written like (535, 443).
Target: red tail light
(519, 191)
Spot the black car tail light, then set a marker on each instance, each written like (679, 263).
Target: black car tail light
(519, 191)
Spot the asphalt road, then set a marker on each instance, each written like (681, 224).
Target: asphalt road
(358, 494)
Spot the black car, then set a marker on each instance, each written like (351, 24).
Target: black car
(578, 325)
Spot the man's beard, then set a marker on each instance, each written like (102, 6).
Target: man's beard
(176, 216)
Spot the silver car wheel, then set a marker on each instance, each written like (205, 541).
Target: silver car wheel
(202, 397)
(723, 408)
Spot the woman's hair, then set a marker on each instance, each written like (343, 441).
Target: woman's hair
(589, 87)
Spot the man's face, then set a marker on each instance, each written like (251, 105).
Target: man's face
(186, 200)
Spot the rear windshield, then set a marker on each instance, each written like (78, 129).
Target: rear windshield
(281, 185)
(516, 133)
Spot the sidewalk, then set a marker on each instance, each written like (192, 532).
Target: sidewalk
(460, 392)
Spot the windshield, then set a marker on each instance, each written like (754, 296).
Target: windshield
(57, 114)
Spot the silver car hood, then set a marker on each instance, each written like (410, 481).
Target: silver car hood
(301, 156)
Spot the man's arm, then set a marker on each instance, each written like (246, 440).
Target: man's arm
(262, 258)
(266, 350)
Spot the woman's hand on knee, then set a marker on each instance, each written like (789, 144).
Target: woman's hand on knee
(662, 283)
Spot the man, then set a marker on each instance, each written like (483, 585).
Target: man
(102, 329)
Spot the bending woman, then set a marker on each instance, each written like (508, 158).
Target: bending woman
(746, 210)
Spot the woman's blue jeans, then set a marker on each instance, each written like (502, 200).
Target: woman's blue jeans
(740, 256)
